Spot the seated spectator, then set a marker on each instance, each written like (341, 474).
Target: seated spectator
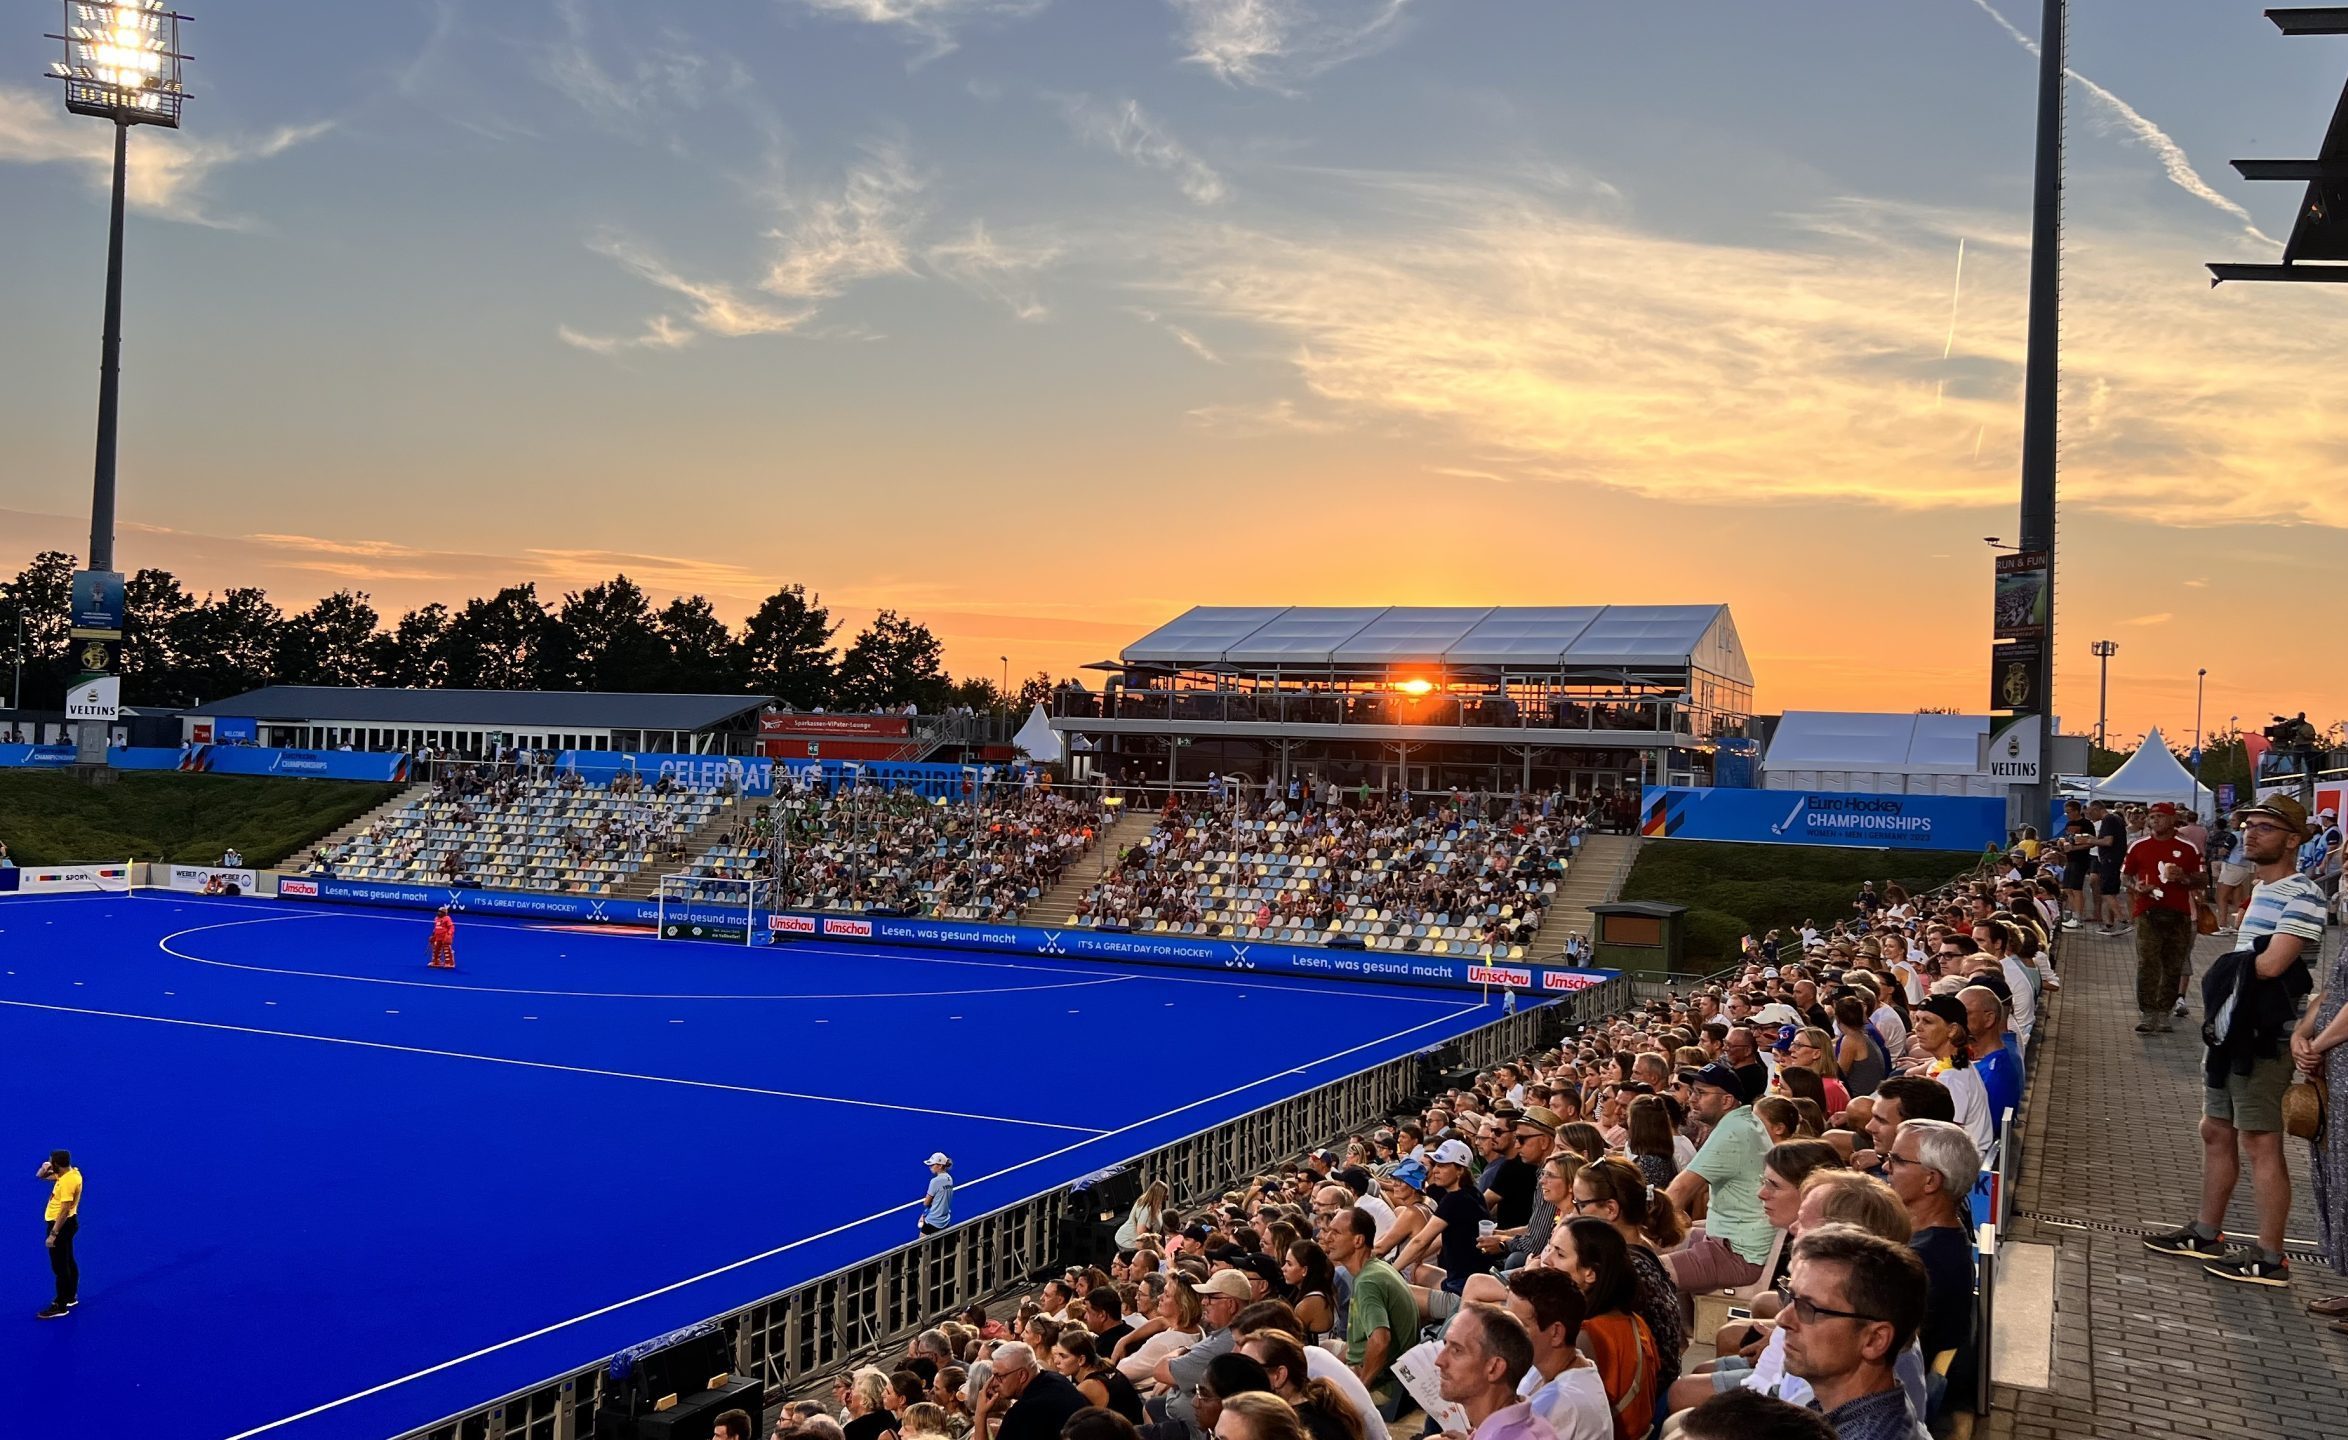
(1942, 1031)
(1022, 1401)
(1995, 1055)
(1485, 1356)
(1594, 1255)
(1902, 1098)
(867, 1404)
(1324, 1410)
(1176, 1322)
(1855, 1303)
(1382, 1318)
(1932, 1166)
(1779, 1117)
(1312, 1282)
(1749, 1415)
(1258, 1415)
(1268, 1333)
(1074, 1357)
(1728, 1249)
(1563, 1385)
(1221, 1298)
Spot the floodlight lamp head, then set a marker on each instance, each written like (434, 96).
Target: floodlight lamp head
(122, 61)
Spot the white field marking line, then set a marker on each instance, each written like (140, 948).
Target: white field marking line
(164, 945)
(1275, 981)
(548, 1065)
(788, 1246)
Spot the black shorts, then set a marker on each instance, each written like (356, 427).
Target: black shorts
(2107, 878)
(2075, 876)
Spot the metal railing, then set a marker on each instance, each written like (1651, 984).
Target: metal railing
(1630, 718)
(823, 1325)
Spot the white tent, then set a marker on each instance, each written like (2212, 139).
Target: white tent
(1879, 753)
(1037, 740)
(2152, 773)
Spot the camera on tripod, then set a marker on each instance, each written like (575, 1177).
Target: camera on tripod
(2292, 734)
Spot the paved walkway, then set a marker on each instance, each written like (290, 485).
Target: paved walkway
(2145, 1344)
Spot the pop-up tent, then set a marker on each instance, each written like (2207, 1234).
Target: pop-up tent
(1037, 740)
(2151, 774)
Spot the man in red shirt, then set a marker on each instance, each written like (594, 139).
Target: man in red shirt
(444, 940)
(2161, 873)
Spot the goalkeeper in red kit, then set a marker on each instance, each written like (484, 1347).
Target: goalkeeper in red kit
(444, 941)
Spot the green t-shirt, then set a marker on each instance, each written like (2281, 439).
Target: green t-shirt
(1381, 1300)
(1730, 1163)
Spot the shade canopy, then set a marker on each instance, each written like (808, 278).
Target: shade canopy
(1513, 638)
(2151, 774)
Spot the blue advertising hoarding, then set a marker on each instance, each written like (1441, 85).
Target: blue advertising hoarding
(1823, 817)
(754, 775)
(228, 730)
(39, 757)
(1533, 981)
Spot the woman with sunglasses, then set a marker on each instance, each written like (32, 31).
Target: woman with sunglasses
(1618, 1341)
(1649, 1224)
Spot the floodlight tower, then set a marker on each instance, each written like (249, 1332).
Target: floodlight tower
(122, 63)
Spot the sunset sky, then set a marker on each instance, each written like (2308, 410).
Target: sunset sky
(1043, 320)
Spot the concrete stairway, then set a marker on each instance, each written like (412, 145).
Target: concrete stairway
(1594, 879)
(646, 880)
(1059, 902)
(302, 859)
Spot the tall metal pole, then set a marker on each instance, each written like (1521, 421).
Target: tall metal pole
(2200, 680)
(2104, 650)
(109, 369)
(2039, 377)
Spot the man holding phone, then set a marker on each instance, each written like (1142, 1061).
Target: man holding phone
(62, 1221)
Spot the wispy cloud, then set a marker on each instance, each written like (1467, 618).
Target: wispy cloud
(639, 92)
(1274, 44)
(1000, 268)
(169, 172)
(860, 233)
(2129, 119)
(933, 23)
(716, 308)
(1186, 338)
(1556, 338)
(1130, 131)
(2162, 618)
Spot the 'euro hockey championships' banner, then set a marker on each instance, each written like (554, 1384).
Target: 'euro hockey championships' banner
(1190, 952)
(1823, 817)
(299, 764)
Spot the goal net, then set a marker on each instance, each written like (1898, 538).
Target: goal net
(709, 907)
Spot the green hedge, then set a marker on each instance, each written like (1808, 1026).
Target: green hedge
(1735, 890)
(51, 818)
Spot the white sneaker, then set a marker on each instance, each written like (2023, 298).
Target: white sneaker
(2070, 922)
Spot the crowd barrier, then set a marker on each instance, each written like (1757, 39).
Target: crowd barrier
(872, 1308)
(1182, 951)
(196, 877)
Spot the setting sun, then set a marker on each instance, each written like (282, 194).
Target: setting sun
(1414, 687)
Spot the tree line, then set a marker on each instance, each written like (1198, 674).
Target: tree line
(180, 650)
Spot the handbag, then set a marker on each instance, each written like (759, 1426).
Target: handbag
(2303, 1109)
(2205, 917)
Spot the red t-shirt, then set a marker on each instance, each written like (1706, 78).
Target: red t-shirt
(2143, 863)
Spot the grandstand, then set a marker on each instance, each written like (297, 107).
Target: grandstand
(1593, 698)
(545, 831)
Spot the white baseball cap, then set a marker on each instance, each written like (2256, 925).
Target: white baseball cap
(1454, 1152)
(937, 1157)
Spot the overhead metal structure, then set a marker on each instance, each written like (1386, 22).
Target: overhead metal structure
(2319, 235)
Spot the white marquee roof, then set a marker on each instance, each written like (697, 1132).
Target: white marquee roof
(1513, 637)
(1863, 740)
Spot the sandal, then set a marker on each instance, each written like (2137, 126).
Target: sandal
(2336, 1306)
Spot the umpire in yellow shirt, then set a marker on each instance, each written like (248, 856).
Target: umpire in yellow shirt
(64, 1220)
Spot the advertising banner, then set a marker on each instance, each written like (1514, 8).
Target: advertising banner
(2010, 752)
(298, 764)
(231, 731)
(36, 757)
(839, 725)
(590, 909)
(756, 775)
(98, 605)
(196, 877)
(143, 757)
(1803, 817)
(2023, 595)
(95, 699)
(2013, 677)
(71, 879)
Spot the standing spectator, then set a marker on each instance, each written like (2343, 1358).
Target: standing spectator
(2108, 850)
(2234, 875)
(2242, 1103)
(2162, 873)
(1728, 1249)
(937, 1205)
(1854, 1302)
(1486, 1354)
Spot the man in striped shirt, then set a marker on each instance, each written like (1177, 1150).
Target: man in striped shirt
(2287, 908)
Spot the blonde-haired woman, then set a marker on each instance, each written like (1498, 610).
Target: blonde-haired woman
(1148, 1216)
(868, 1406)
(1258, 1415)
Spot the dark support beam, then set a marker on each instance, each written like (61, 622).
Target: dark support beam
(2292, 169)
(2311, 19)
(2302, 274)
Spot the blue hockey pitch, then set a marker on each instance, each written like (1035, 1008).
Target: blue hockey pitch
(333, 1193)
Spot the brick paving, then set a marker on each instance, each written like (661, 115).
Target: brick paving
(2145, 1344)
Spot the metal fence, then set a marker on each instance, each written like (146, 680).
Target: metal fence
(827, 1324)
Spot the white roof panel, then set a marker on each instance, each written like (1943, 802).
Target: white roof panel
(1529, 635)
(1201, 634)
(1303, 636)
(1413, 634)
(1644, 635)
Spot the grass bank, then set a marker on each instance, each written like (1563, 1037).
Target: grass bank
(1731, 890)
(51, 818)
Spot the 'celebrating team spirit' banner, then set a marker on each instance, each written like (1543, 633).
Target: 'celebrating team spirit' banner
(1823, 817)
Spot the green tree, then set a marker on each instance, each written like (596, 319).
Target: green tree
(1038, 689)
(153, 603)
(41, 598)
(225, 645)
(893, 660)
(786, 649)
(331, 643)
(603, 639)
(700, 655)
(413, 653)
(499, 643)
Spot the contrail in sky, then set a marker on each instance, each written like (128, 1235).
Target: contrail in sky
(1949, 345)
(2172, 156)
